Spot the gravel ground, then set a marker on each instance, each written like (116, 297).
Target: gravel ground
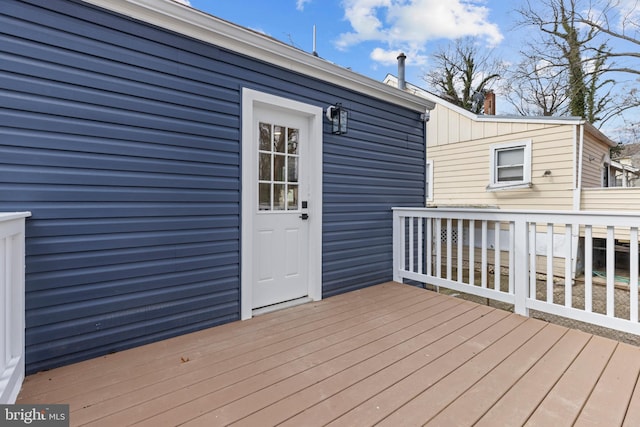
(598, 302)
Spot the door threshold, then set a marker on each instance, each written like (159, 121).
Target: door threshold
(280, 306)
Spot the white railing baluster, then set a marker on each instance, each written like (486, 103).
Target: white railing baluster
(533, 276)
(449, 249)
(420, 245)
(611, 271)
(568, 282)
(496, 255)
(633, 274)
(472, 252)
(483, 272)
(512, 256)
(549, 262)
(429, 246)
(438, 247)
(411, 239)
(588, 268)
(460, 241)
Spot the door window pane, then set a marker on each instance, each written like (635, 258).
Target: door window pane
(265, 137)
(264, 191)
(292, 197)
(292, 141)
(279, 135)
(292, 167)
(264, 167)
(278, 167)
(279, 197)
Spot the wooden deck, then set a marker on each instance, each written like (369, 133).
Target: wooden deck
(391, 354)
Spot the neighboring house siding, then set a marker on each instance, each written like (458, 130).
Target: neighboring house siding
(592, 162)
(123, 141)
(462, 171)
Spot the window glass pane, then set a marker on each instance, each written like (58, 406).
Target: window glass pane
(292, 175)
(279, 168)
(265, 137)
(279, 200)
(292, 197)
(264, 167)
(264, 199)
(292, 145)
(279, 139)
(511, 173)
(511, 157)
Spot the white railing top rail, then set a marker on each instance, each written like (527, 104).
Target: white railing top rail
(599, 218)
(8, 216)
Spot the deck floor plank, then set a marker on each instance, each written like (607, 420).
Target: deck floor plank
(564, 402)
(253, 332)
(390, 354)
(207, 375)
(609, 401)
(470, 406)
(338, 359)
(237, 381)
(388, 401)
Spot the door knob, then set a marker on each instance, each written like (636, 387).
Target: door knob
(304, 216)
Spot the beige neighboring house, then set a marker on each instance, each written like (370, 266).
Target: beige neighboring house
(514, 162)
(525, 163)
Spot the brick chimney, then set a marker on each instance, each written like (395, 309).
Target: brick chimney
(490, 103)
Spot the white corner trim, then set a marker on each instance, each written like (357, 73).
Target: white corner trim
(191, 22)
(250, 99)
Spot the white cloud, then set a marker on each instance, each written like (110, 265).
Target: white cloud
(390, 57)
(300, 4)
(410, 24)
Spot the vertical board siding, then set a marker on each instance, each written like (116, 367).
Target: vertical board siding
(123, 140)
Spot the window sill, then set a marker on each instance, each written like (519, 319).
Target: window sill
(505, 187)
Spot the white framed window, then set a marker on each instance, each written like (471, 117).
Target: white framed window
(510, 165)
(429, 184)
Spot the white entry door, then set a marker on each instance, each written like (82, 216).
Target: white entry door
(281, 202)
(281, 239)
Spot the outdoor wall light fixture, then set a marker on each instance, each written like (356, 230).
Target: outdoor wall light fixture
(338, 117)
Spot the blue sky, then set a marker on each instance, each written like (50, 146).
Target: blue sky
(367, 35)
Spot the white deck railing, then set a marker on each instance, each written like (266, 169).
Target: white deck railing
(12, 265)
(536, 254)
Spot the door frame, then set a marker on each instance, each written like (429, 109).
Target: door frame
(250, 100)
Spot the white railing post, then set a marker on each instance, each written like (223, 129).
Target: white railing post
(12, 316)
(397, 249)
(521, 273)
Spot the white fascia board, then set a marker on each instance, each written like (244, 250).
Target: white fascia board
(191, 22)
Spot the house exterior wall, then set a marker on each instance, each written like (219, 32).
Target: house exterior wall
(461, 170)
(123, 140)
(594, 153)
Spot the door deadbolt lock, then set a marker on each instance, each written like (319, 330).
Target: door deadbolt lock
(304, 216)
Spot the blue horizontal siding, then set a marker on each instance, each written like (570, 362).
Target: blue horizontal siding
(123, 140)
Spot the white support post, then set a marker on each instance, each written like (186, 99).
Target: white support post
(12, 314)
(521, 272)
(633, 274)
(588, 268)
(398, 250)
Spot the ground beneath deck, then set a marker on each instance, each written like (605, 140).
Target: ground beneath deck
(391, 354)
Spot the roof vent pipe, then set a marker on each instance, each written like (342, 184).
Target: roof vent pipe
(402, 85)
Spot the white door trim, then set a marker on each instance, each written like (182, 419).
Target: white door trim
(251, 99)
